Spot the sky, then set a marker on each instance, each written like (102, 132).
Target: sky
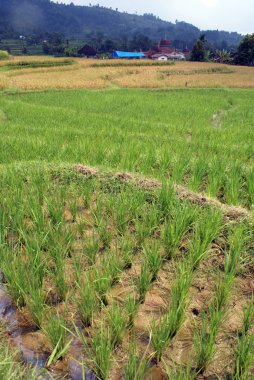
(230, 15)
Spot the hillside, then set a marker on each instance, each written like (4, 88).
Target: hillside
(27, 17)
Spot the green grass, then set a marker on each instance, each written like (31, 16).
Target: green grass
(143, 131)
(35, 64)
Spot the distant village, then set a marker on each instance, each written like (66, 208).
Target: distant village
(163, 51)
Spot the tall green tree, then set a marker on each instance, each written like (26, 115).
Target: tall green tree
(199, 51)
(245, 51)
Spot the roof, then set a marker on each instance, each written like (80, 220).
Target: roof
(173, 55)
(87, 50)
(127, 54)
(157, 55)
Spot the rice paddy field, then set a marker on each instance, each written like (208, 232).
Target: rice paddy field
(126, 220)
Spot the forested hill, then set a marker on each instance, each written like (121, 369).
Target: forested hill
(26, 17)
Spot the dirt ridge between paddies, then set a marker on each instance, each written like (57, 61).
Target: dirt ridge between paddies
(233, 213)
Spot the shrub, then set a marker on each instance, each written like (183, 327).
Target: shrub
(4, 55)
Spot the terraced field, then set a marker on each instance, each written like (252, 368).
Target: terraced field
(126, 230)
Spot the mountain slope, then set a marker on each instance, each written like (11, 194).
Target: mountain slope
(32, 16)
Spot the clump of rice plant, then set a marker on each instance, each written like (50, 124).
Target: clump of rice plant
(131, 307)
(233, 184)
(181, 373)
(137, 365)
(243, 357)
(205, 337)
(59, 277)
(117, 323)
(104, 234)
(35, 302)
(168, 325)
(166, 199)
(153, 258)
(102, 282)
(198, 171)
(91, 249)
(56, 331)
(99, 351)
(182, 217)
(15, 272)
(87, 302)
(206, 230)
(127, 252)
(143, 281)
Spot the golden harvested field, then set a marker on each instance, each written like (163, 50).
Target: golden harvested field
(84, 73)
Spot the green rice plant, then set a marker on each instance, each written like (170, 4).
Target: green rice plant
(198, 171)
(87, 193)
(34, 254)
(37, 213)
(117, 323)
(136, 365)
(205, 337)
(35, 301)
(111, 263)
(121, 213)
(182, 217)
(223, 290)
(179, 168)
(15, 272)
(67, 238)
(215, 178)
(97, 213)
(250, 187)
(102, 282)
(236, 239)
(164, 330)
(10, 367)
(104, 234)
(153, 219)
(3, 227)
(55, 209)
(87, 302)
(73, 207)
(243, 358)
(91, 249)
(233, 184)
(143, 281)
(127, 252)
(206, 230)
(181, 373)
(166, 198)
(59, 277)
(142, 232)
(153, 258)
(131, 308)
(99, 351)
(56, 331)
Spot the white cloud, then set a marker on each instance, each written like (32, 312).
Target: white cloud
(210, 3)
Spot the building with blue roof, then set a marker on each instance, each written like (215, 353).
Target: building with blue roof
(126, 54)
